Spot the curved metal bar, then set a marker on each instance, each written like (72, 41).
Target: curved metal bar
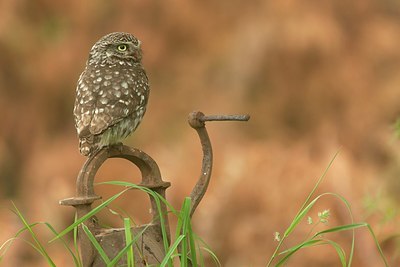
(196, 122)
(151, 176)
(85, 195)
(225, 118)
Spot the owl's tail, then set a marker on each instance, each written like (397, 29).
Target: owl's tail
(88, 145)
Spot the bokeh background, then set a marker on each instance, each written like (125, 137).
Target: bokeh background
(316, 77)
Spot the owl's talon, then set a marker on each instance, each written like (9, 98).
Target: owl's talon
(118, 146)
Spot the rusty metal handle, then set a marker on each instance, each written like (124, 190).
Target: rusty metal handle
(197, 121)
(85, 195)
(151, 176)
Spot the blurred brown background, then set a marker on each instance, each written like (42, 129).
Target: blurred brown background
(316, 77)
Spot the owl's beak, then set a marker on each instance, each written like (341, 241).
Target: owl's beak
(137, 55)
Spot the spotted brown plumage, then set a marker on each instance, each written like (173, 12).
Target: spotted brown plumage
(111, 94)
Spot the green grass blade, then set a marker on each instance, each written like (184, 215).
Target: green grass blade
(305, 208)
(341, 228)
(353, 227)
(213, 256)
(76, 247)
(306, 205)
(127, 247)
(128, 239)
(207, 248)
(192, 243)
(157, 198)
(339, 251)
(319, 181)
(75, 258)
(185, 217)
(6, 245)
(40, 247)
(88, 215)
(27, 242)
(121, 253)
(171, 251)
(348, 227)
(179, 224)
(300, 213)
(348, 207)
(96, 244)
(293, 250)
(200, 252)
(300, 216)
(25, 228)
(310, 243)
(188, 245)
(378, 246)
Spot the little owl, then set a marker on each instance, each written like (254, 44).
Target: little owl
(112, 93)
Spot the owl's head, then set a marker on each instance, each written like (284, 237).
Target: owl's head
(116, 47)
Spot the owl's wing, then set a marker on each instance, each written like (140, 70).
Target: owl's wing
(84, 103)
(106, 115)
(113, 97)
(119, 98)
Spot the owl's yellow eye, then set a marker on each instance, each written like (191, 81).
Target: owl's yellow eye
(122, 47)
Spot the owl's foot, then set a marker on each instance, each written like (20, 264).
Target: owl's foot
(95, 151)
